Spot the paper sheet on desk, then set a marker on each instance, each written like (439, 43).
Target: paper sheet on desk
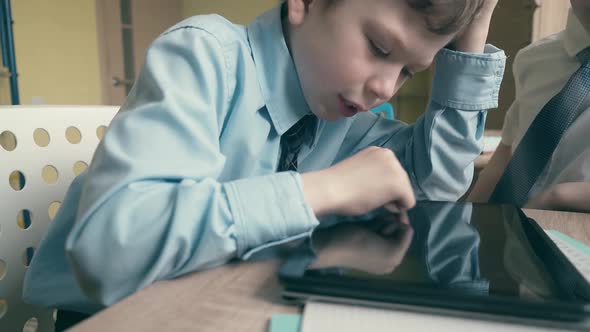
(320, 316)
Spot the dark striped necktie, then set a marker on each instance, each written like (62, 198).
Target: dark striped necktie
(302, 132)
(542, 137)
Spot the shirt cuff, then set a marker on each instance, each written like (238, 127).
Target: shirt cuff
(468, 81)
(268, 208)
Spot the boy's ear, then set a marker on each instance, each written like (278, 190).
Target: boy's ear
(298, 10)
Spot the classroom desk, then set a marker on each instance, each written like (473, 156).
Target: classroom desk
(241, 297)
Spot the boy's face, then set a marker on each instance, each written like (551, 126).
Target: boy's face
(356, 54)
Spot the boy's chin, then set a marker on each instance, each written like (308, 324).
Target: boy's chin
(327, 115)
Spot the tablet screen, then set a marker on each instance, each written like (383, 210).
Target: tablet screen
(469, 249)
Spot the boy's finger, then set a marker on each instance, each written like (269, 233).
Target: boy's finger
(392, 207)
(400, 211)
(406, 200)
(403, 217)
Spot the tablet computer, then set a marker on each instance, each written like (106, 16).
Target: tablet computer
(477, 260)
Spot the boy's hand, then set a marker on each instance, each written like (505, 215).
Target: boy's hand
(370, 179)
(473, 38)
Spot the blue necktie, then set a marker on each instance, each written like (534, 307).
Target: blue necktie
(301, 132)
(537, 145)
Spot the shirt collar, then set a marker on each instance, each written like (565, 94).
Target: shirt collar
(276, 71)
(576, 37)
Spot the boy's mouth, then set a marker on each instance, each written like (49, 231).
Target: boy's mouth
(349, 108)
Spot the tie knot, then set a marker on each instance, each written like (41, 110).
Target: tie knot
(302, 132)
(584, 55)
(304, 128)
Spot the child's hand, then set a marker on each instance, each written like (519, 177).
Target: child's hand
(473, 39)
(370, 179)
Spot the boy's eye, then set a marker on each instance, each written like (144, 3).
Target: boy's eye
(377, 50)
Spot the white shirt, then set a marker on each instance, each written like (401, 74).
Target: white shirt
(540, 72)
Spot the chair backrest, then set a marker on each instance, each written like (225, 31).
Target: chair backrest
(42, 149)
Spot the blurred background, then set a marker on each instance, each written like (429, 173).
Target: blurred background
(89, 52)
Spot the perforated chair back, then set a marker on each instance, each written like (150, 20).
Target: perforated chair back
(42, 149)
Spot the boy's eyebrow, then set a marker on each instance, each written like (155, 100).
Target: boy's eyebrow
(419, 65)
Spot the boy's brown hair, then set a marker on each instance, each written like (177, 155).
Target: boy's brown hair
(442, 17)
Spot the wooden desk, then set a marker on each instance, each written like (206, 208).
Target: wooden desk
(241, 297)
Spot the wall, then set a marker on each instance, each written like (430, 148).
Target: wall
(4, 88)
(550, 17)
(56, 51)
(237, 11)
(516, 24)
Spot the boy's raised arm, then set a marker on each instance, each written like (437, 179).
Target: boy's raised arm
(439, 149)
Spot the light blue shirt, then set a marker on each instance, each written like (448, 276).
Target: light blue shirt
(185, 178)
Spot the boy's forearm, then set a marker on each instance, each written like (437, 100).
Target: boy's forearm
(473, 39)
(569, 196)
(465, 85)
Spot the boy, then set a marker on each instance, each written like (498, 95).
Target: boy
(186, 177)
(564, 183)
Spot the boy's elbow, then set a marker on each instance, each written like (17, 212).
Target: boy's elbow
(105, 268)
(97, 277)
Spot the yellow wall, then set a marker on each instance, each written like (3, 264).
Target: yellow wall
(4, 92)
(56, 51)
(4, 88)
(237, 11)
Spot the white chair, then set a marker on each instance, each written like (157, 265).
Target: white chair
(42, 149)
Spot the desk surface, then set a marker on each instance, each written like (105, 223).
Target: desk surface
(241, 297)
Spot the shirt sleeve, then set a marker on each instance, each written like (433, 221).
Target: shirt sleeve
(439, 149)
(151, 205)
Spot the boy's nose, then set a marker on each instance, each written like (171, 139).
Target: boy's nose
(382, 87)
